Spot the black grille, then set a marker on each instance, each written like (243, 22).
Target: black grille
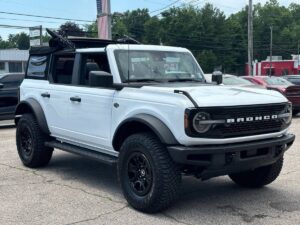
(243, 128)
(251, 128)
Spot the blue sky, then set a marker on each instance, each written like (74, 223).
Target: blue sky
(86, 9)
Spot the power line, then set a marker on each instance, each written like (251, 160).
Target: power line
(37, 21)
(19, 27)
(165, 7)
(45, 17)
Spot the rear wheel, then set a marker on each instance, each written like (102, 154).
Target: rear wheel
(31, 143)
(259, 177)
(149, 178)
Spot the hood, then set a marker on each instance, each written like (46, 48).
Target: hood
(214, 95)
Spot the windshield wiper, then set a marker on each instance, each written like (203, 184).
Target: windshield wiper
(185, 80)
(143, 80)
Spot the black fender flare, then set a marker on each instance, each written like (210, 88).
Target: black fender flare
(32, 106)
(154, 124)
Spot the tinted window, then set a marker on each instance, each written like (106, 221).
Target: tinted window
(15, 67)
(37, 66)
(63, 69)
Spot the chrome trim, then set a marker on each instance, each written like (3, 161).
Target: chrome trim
(284, 115)
(209, 122)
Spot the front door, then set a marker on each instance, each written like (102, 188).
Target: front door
(89, 109)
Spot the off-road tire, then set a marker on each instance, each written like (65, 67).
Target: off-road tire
(166, 177)
(259, 177)
(31, 143)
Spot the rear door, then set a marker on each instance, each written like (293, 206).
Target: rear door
(55, 96)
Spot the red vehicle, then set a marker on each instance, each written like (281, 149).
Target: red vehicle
(291, 91)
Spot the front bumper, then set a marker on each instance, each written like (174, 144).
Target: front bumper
(224, 159)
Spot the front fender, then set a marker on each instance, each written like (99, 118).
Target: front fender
(154, 124)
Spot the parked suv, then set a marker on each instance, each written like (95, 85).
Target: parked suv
(148, 110)
(288, 89)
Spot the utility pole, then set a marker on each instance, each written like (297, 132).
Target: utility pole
(250, 38)
(271, 50)
(109, 19)
(104, 19)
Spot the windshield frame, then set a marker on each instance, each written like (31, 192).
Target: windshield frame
(123, 79)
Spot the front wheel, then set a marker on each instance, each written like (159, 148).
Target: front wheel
(30, 143)
(259, 177)
(149, 178)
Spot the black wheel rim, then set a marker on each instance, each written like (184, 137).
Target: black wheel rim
(139, 172)
(26, 141)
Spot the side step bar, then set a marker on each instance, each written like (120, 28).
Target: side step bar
(101, 157)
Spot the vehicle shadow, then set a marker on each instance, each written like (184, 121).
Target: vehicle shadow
(197, 200)
(87, 172)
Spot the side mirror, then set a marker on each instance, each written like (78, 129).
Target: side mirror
(1, 85)
(100, 79)
(217, 77)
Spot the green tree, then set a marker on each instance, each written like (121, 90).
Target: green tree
(152, 31)
(20, 41)
(135, 21)
(215, 39)
(91, 30)
(71, 29)
(4, 44)
(119, 29)
(208, 60)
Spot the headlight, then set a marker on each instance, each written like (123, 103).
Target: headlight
(200, 122)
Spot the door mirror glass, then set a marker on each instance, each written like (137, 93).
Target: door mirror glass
(217, 77)
(100, 79)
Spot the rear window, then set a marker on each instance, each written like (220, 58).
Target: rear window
(37, 67)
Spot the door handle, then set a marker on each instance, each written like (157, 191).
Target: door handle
(75, 99)
(45, 95)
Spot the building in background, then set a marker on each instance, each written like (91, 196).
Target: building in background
(13, 60)
(278, 66)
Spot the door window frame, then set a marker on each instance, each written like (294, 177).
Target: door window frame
(52, 62)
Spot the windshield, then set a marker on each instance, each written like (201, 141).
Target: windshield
(277, 81)
(144, 65)
(232, 80)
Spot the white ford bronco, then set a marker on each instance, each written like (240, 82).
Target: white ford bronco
(149, 111)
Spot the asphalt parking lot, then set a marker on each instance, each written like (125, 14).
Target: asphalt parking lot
(74, 190)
